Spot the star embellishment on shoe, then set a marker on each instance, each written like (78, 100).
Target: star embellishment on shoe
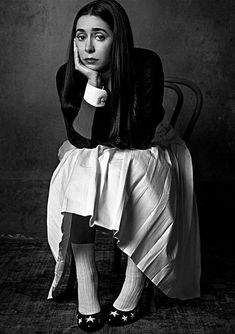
(124, 318)
(114, 313)
(90, 318)
(132, 315)
(79, 320)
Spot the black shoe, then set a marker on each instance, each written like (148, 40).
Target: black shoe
(90, 323)
(118, 318)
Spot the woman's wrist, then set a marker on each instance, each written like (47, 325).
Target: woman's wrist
(95, 81)
(95, 96)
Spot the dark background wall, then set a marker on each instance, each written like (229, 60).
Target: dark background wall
(193, 39)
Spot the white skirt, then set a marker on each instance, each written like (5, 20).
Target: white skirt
(145, 197)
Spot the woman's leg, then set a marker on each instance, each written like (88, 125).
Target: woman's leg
(132, 288)
(82, 241)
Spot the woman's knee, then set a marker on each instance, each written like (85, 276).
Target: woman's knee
(81, 232)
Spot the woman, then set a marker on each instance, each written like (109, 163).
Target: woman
(121, 169)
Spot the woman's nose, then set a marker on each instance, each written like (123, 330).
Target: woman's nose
(89, 47)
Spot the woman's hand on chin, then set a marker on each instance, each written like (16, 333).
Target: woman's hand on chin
(94, 78)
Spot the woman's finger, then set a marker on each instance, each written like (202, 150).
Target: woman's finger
(78, 65)
(76, 59)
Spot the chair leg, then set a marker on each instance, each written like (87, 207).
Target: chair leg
(117, 258)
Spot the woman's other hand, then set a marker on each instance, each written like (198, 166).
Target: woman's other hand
(65, 147)
(93, 77)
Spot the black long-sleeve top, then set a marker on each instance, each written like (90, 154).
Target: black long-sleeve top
(96, 121)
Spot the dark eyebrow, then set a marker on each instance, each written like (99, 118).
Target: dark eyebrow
(93, 29)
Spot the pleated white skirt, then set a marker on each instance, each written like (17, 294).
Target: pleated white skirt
(145, 197)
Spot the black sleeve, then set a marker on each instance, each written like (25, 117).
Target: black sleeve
(150, 88)
(70, 115)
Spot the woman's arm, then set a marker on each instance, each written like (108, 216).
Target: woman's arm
(69, 115)
(79, 123)
(150, 88)
(93, 98)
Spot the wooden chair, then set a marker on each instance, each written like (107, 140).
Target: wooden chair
(174, 84)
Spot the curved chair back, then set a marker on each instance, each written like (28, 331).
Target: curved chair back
(175, 84)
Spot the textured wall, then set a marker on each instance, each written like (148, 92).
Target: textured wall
(193, 39)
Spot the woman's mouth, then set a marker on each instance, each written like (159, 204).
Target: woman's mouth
(90, 60)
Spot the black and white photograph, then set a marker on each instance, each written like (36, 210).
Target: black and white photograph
(117, 160)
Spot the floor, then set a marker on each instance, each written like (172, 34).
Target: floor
(26, 270)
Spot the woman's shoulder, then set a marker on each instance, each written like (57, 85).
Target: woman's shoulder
(146, 58)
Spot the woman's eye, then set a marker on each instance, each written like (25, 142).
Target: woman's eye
(100, 37)
(80, 37)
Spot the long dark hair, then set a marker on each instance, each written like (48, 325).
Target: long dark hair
(121, 64)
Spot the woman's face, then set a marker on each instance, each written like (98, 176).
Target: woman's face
(94, 42)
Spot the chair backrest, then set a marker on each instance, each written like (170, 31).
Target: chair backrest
(175, 84)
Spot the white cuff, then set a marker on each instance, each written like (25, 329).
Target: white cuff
(95, 96)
